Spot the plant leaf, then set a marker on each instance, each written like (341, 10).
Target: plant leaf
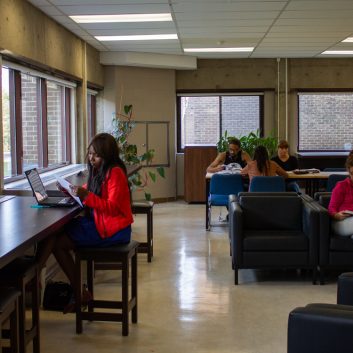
(152, 176)
(160, 171)
(147, 196)
(127, 109)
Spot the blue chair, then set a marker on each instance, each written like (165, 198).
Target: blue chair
(267, 183)
(333, 179)
(221, 186)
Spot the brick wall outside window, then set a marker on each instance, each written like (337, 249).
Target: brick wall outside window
(54, 99)
(325, 121)
(30, 124)
(29, 121)
(200, 117)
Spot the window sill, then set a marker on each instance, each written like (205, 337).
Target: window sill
(21, 187)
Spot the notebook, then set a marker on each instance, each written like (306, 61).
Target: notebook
(41, 195)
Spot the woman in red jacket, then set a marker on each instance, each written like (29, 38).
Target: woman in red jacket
(107, 199)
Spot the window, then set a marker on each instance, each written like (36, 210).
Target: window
(202, 119)
(36, 120)
(6, 122)
(91, 113)
(325, 121)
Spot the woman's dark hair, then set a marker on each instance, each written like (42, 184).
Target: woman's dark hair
(261, 158)
(349, 160)
(106, 147)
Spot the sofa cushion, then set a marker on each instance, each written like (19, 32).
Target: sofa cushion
(338, 243)
(272, 212)
(275, 240)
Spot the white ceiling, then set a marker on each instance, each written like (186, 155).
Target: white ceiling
(276, 28)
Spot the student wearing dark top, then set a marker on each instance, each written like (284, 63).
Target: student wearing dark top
(233, 155)
(286, 162)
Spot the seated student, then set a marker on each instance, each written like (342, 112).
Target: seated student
(233, 155)
(262, 166)
(286, 162)
(108, 215)
(342, 200)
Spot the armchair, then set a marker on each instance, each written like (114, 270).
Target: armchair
(320, 328)
(273, 231)
(324, 328)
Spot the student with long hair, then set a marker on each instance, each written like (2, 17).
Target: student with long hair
(108, 216)
(262, 166)
(341, 201)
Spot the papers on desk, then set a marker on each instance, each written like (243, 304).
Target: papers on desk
(306, 171)
(230, 171)
(67, 186)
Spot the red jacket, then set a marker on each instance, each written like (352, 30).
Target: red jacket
(111, 210)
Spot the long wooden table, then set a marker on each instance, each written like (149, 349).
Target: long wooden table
(22, 226)
(312, 182)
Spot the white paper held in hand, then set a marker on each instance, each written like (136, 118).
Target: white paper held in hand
(66, 185)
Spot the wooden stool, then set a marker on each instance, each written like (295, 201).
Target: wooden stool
(146, 207)
(122, 254)
(20, 273)
(9, 311)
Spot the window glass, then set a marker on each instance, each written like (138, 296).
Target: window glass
(30, 121)
(6, 122)
(199, 120)
(204, 118)
(325, 121)
(56, 128)
(240, 114)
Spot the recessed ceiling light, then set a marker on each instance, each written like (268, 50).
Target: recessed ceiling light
(137, 37)
(148, 17)
(337, 52)
(348, 40)
(218, 50)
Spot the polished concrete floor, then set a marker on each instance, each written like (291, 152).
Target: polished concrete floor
(187, 299)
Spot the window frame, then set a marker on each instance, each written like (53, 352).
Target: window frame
(317, 92)
(16, 134)
(220, 94)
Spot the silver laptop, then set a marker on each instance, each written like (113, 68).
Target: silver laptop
(41, 195)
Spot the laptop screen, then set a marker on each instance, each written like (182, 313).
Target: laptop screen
(36, 184)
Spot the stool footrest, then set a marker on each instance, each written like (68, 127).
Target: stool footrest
(110, 304)
(99, 316)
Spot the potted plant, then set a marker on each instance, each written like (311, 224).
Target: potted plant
(123, 124)
(250, 142)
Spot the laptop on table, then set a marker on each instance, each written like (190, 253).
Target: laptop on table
(41, 194)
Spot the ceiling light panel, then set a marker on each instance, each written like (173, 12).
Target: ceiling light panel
(138, 37)
(103, 9)
(218, 50)
(160, 17)
(337, 52)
